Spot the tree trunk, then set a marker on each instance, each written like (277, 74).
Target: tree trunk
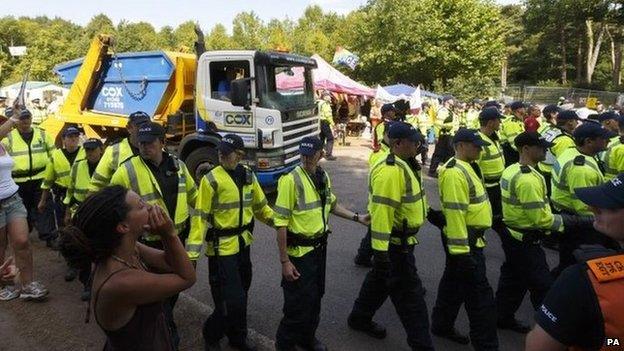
(504, 74)
(564, 63)
(617, 63)
(579, 61)
(593, 49)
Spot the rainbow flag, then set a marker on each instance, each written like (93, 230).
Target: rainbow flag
(346, 58)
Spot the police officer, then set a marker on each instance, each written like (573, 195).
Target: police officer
(444, 125)
(609, 121)
(561, 138)
(584, 308)
(468, 214)
(388, 115)
(492, 162)
(398, 207)
(80, 176)
(77, 190)
(119, 152)
(577, 168)
(160, 179)
(57, 178)
(304, 202)
(31, 149)
(229, 199)
(613, 158)
(365, 251)
(327, 124)
(528, 218)
(510, 128)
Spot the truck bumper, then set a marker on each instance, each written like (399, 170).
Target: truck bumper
(268, 179)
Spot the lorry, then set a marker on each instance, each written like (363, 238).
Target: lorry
(197, 98)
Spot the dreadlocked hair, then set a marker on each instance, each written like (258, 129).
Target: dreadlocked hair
(92, 236)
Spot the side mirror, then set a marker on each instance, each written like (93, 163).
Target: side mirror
(240, 92)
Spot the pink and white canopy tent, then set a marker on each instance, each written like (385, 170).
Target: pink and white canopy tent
(325, 77)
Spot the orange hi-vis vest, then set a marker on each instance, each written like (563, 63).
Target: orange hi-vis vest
(606, 275)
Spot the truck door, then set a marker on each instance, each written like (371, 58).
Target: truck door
(229, 118)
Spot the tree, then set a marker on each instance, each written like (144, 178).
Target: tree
(279, 35)
(139, 36)
(185, 37)
(248, 31)
(166, 38)
(218, 39)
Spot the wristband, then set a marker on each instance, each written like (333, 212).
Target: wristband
(356, 217)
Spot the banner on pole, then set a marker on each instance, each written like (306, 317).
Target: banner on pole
(346, 58)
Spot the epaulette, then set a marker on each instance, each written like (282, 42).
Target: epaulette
(451, 163)
(590, 252)
(579, 160)
(525, 169)
(390, 160)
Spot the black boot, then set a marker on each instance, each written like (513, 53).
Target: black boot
(368, 327)
(452, 335)
(243, 345)
(314, 345)
(513, 325)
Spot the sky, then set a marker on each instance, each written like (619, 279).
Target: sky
(173, 12)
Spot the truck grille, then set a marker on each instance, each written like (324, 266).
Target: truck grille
(293, 132)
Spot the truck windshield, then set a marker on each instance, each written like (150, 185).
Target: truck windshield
(286, 87)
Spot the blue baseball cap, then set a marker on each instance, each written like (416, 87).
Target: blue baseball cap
(548, 109)
(402, 130)
(138, 118)
(387, 108)
(230, 143)
(609, 195)
(70, 131)
(516, 105)
(605, 116)
(92, 143)
(568, 115)
(490, 113)
(149, 132)
(469, 136)
(492, 103)
(308, 146)
(590, 130)
(531, 139)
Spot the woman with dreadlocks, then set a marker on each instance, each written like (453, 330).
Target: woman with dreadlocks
(127, 298)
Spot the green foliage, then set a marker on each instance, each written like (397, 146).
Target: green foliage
(456, 46)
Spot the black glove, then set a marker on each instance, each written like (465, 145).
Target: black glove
(436, 217)
(25, 114)
(577, 222)
(381, 261)
(8, 112)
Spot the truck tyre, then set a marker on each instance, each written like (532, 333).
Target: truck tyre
(201, 160)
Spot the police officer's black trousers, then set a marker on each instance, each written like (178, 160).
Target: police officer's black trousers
(443, 152)
(302, 300)
(494, 194)
(525, 268)
(230, 279)
(365, 251)
(59, 207)
(326, 134)
(472, 289)
(171, 301)
(30, 192)
(400, 281)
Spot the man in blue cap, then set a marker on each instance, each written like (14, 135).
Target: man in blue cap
(119, 152)
(388, 115)
(468, 214)
(304, 201)
(229, 201)
(613, 157)
(609, 121)
(576, 168)
(398, 208)
(584, 308)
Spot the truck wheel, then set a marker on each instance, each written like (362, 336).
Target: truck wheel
(201, 160)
